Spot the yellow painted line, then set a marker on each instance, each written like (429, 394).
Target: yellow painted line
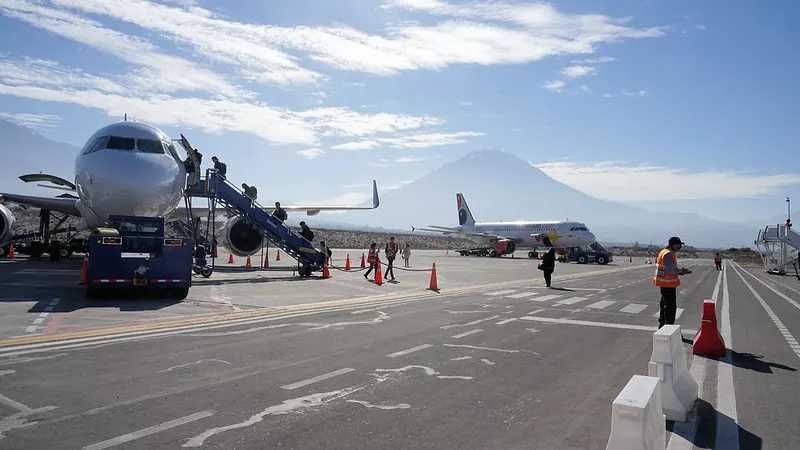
(266, 312)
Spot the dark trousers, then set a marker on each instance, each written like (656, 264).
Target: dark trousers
(390, 268)
(371, 266)
(548, 274)
(669, 297)
(719, 265)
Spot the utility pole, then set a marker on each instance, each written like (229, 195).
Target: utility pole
(788, 209)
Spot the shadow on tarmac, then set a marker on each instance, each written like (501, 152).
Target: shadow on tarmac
(122, 301)
(709, 420)
(213, 282)
(755, 362)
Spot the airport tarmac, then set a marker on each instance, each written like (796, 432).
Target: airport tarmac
(493, 360)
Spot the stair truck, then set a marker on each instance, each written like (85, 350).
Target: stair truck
(132, 253)
(593, 253)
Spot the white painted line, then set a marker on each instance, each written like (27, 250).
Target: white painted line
(148, 431)
(778, 293)
(571, 300)
(324, 376)
(501, 292)
(545, 298)
(38, 320)
(503, 322)
(777, 321)
(409, 350)
(678, 312)
(466, 333)
(601, 304)
(14, 404)
(523, 295)
(474, 322)
(633, 308)
(727, 428)
(30, 329)
(622, 326)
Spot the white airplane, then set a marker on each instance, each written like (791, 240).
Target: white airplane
(131, 168)
(506, 237)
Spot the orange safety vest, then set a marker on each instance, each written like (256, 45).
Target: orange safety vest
(717, 258)
(661, 278)
(372, 257)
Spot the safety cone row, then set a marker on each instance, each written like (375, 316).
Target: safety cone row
(230, 258)
(11, 252)
(278, 255)
(247, 263)
(266, 261)
(325, 272)
(708, 341)
(347, 262)
(378, 276)
(84, 270)
(363, 262)
(434, 284)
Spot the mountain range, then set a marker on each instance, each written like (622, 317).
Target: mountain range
(498, 186)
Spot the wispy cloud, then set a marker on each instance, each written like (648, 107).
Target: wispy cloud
(632, 183)
(600, 60)
(627, 93)
(319, 97)
(700, 27)
(363, 145)
(311, 153)
(554, 85)
(586, 88)
(465, 103)
(29, 71)
(577, 71)
(31, 120)
(387, 162)
(422, 140)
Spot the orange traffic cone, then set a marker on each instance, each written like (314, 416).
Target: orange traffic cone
(325, 272)
(247, 263)
(277, 255)
(266, 261)
(347, 262)
(447, 252)
(11, 252)
(434, 286)
(378, 276)
(84, 270)
(215, 252)
(363, 263)
(230, 258)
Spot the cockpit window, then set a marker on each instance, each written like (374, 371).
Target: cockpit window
(150, 146)
(121, 143)
(97, 144)
(172, 151)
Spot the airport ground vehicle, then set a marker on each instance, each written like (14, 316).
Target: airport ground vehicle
(593, 253)
(132, 252)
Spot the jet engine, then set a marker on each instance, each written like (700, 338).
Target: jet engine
(240, 237)
(504, 246)
(6, 220)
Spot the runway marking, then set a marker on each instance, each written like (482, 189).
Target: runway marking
(508, 291)
(14, 404)
(633, 308)
(522, 295)
(466, 333)
(503, 322)
(464, 312)
(7, 372)
(474, 322)
(428, 370)
(622, 326)
(43, 315)
(545, 298)
(778, 293)
(777, 321)
(370, 405)
(488, 348)
(318, 378)
(602, 304)
(148, 431)
(409, 350)
(461, 358)
(459, 377)
(571, 300)
(487, 362)
(192, 364)
(727, 419)
(678, 312)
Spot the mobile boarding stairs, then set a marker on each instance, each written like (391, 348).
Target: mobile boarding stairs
(779, 247)
(221, 192)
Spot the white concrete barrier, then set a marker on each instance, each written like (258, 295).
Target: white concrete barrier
(668, 363)
(637, 422)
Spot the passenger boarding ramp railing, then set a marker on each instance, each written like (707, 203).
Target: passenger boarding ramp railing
(779, 247)
(251, 212)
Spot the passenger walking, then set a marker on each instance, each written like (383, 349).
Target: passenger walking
(323, 248)
(306, 232)
(279, 212)
(391, 254)
(548, 265)
(407, 255)
(220, 167)
(372, 259)
(718, 261)
(250, 191)
(666, 278)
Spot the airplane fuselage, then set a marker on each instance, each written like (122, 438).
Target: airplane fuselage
(128, 168)
(537, 234)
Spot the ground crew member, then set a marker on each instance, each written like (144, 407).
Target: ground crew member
(718, 261)
(372, 259)
(391, 254)
(666, 278)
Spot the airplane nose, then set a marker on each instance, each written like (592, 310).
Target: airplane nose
(591, 237)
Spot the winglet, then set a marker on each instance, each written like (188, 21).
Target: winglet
(375, 200)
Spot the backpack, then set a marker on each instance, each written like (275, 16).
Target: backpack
(329, 253)
(310, 236)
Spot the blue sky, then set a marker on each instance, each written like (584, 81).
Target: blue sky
(602, 95)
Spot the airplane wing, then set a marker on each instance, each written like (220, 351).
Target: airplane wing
(310, 210)
(62, 205)
(451, 230)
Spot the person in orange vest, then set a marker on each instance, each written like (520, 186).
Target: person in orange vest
(718, 261)
(391, 253)
(666, 277)
(372, 259)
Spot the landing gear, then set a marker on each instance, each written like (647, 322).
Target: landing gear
(304, 271)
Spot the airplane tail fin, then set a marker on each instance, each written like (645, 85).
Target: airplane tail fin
(464, 215)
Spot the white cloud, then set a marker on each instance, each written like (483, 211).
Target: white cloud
(600, 60)
(387, 162)
(630, 183)
(355, 84)
(311, 153)
(586, 88)
(355, 185)
(466, 103)
(31, 120)
(700, 27)
(577, 71)
(28, 71)
(422, 140)
(554, 85)
(319, 97)
(627, 93)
